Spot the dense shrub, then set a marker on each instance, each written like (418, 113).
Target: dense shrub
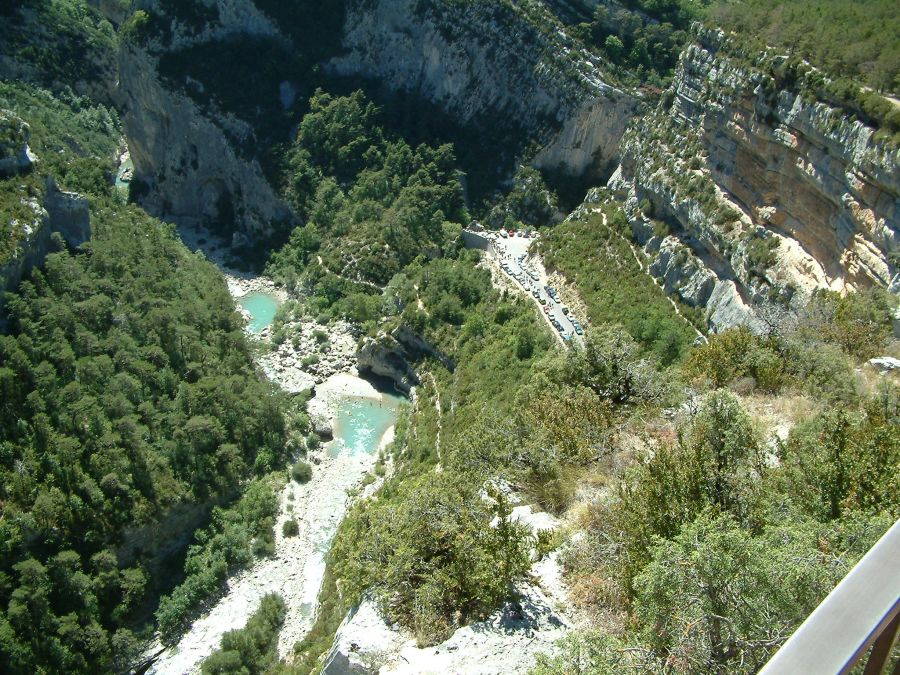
(441, 562)
(599, 260)
(253, 649)
(301, 471)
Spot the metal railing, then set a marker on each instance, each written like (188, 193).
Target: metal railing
(862, 611)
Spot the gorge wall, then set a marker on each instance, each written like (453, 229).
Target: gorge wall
(486, 61)
(188, 167)
(481, 63)
(765, 192)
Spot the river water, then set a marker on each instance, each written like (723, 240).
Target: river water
(261, 307)
(363, 420)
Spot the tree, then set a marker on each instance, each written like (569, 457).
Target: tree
(253, 649)
(431, 553)
(614, 48)
(840, 462)
(610, 365)
(717, 599)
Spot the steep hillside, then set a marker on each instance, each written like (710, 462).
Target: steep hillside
(644, 414)
(495, 69)
(494, 64)
(765, 192)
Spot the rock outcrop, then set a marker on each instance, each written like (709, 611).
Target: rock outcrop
(507, 642)
(188, 164)
(487, 60)
(15, 155)
(56, 212)
(391, 355)
(770, 193)
(386, 357)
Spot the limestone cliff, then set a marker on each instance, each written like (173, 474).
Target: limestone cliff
(480, 61)
(188, 167)
(391, 355)
(483, 63)
(766, 192)
(15, 155)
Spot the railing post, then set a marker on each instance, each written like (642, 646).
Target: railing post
(881, 650)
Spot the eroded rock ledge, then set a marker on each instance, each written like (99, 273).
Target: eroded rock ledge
(766, 195)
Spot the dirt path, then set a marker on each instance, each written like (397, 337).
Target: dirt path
(363, 282)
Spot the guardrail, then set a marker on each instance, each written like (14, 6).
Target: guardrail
(862, 611)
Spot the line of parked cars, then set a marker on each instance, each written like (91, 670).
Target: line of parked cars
(528, 279)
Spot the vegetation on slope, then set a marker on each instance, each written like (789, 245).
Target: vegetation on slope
(371, 203)
(75, 140)
(854, 39)
(127, 390)
(600, 259)
(692, 550)
(253, 649)
(58, 42)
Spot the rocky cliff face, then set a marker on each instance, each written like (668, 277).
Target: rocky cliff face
(187, 164)
(766, 194)
(187, 169)
(391, 355)
(63, 213)
(484, 61)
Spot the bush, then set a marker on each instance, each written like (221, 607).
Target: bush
(253, 649)
(290, 528)
(440, 560)
(301, 471)
(738, 354)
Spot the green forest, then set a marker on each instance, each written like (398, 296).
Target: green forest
(128, 390)
(711, 487)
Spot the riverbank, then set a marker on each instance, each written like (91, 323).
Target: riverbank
(306, 353)
(309, 355)
(296, 569)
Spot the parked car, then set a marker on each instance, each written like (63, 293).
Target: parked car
(565, 310)
(546, 309)
(579, 329)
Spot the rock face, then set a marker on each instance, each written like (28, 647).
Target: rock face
(885, 364)
(482, 63)
(385, 357)
(391, 356)
(64, 213)
(769, 193)
(188, 167)
(484, 60)
(15, 155)
(507, 642)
